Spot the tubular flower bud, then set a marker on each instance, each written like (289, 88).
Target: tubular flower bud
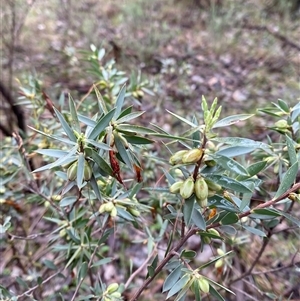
(202, 203)
(201, 189)
(213, 231)
(175, 187)
(204, 285)
(113, 212)
(72, 171)
(113, 287)
(87, 173)
(177, 157)
(192, 156)
(282, 124)
(187, 188)
(212, 185)
(134, 212)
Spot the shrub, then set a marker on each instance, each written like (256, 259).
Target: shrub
(98, 192)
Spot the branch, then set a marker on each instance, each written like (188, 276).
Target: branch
(38, 285)
(193, 231)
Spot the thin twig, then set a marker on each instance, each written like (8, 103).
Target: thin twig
(139, 269)
(258, 256)
(38, 285)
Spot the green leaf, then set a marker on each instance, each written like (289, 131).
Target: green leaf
(80, 170)
(137, 139)
(49, 264)
(67, 201)
(83, 269)
(295, 112)
(291, 150)
(101, 124)
(243, 142)
(151, 271)
(213, 261)
(65, 125)
(229, 219)
(219, 202)
(75, 122)
(103, 261)
(197, 291)
(234, 151)
(287, 180)
(255, 168)
(188, 254)
(229, 183)
(219, 285)
(122, 151)
(98, 144)
(198, 219)
(178, 285)
(215, 294)
(134, 129)
(57, 153)
(101, 102)
(67, 141)
(102, 163)
(231, 165)
(95, 187)
(188, 208)
(87, 121)
(120, 102)
(283, 105)
(183, 119)
(172, 279)
(266, 211)
(288, 216)
(129, 117)
(231, 120)
(61, 161)
(255, 231)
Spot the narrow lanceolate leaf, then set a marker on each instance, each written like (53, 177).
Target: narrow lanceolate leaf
(183, 119)
(101, 124)
(254, 231)
(122, 151)
(178, 285)
(243, 142)
(65, 125)
(230, 183)
(95, 187)
(101, 102)
(129, 117)
(255, 168)
(231, 120)
(134, 129)
(234, 151)
(198, 219)
(61, 161)
(288, 180)
(188, 208)
(291, 149)
(172, 278)
(137, 139)
(231, 165)
(74, 122)
(64, 140)
(100, 145)
(120, 102)
(103, 165)
(57, 153)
